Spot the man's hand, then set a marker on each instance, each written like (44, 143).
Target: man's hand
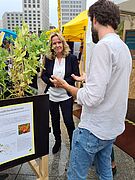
(79, 78)
(58, 82)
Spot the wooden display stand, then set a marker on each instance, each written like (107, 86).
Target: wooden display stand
(132, 82)
(131, 101)
(41, 169)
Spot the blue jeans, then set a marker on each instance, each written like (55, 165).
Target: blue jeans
(86, 149)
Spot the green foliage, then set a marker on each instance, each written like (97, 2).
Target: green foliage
(120, 29)
(4, 77)
(24, 53)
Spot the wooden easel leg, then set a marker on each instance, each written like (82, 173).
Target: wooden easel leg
(41, 169)
(35, 167)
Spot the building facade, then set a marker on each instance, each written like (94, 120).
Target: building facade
(12, 19)
(1, 24)
(70, 9)
(36, 14)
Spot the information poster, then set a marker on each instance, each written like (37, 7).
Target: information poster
(16, 132)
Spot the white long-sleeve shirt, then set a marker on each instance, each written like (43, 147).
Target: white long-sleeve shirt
(105, 94)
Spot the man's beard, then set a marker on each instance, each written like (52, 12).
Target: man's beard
(95, 37)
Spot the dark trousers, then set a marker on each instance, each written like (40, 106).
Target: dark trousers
(112, 155)
(67, 113)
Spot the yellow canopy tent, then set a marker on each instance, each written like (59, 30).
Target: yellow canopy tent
(48, 33)
(1, 37)
(75, 29)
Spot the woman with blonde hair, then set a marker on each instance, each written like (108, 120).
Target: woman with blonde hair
(61, 63)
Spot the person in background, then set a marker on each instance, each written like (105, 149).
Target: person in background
(103, 98)
(114, 169)
(6, 44)
(80, 53)
(61, 63)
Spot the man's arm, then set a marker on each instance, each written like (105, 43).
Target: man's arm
(58, 82)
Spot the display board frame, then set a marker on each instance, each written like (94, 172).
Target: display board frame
(41, 127)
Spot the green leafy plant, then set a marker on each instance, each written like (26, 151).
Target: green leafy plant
(120, 29)
(25, 52)
(4, 77)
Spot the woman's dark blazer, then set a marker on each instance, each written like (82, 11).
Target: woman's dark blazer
(71, 67)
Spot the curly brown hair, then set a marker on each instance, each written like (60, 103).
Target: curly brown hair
(66, 49)
(105, 12)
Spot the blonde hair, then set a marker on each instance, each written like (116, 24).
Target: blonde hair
(66, 50)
